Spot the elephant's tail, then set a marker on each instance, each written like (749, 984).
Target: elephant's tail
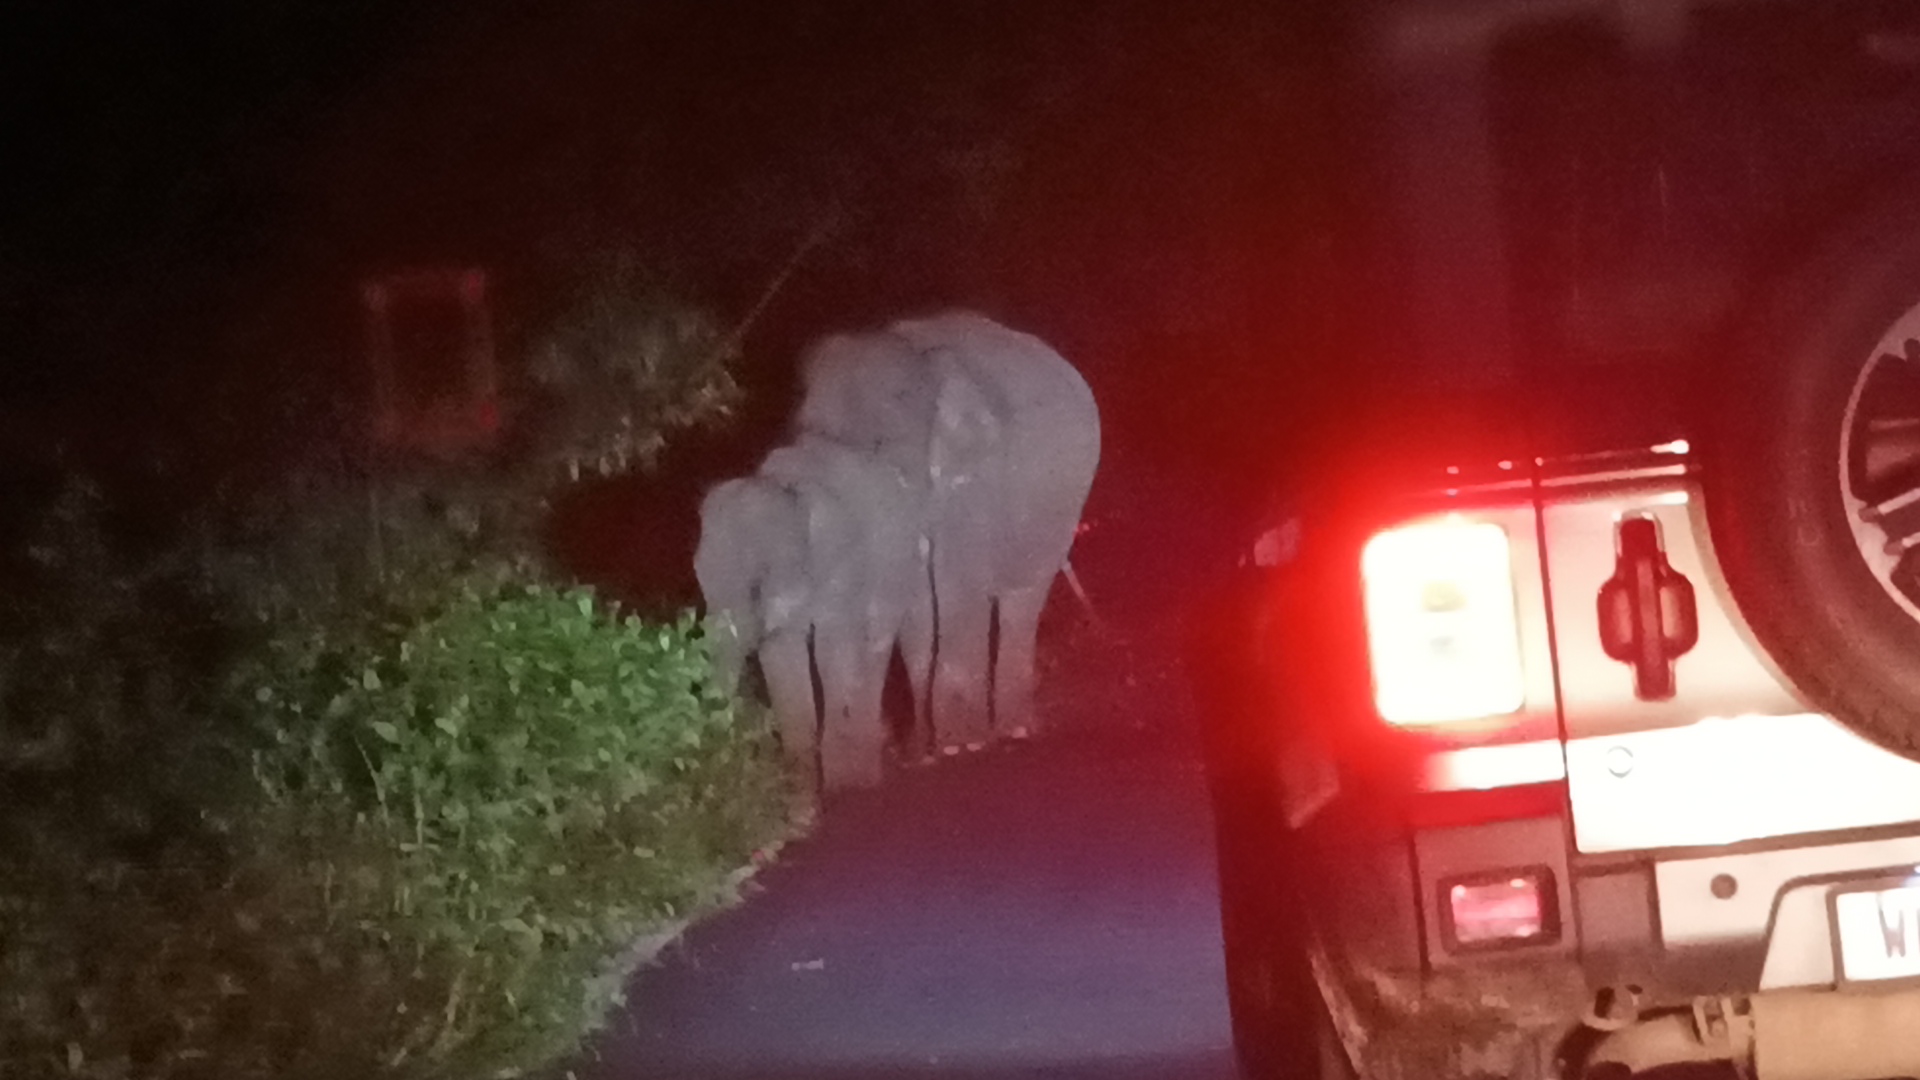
(1080, 592)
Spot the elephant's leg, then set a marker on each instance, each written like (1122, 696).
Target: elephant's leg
(789, 674)
(853, 738)
(1013, 665)
(916, 652)
(960, 700)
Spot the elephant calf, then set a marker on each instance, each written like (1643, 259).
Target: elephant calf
(814, 561)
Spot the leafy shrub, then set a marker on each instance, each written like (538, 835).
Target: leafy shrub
(622, 367)
(461, 821)
(107, 763)
(615, 365)
(97, 673)
(550, 781)
(337, 535)
(342, 787)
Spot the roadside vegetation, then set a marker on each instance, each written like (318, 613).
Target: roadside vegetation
(345, 778)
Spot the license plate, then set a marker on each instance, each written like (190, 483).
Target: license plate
(1877, 932)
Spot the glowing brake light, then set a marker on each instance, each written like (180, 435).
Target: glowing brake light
(1441, 629)
(1492, 910)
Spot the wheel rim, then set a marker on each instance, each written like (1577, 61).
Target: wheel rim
(1880, 462)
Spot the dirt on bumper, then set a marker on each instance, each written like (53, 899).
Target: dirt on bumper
(1504, 1021)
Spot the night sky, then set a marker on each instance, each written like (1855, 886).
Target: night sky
(194, 187)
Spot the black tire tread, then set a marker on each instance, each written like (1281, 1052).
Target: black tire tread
(1770, 455)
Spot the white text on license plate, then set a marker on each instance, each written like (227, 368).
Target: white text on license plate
(1879, 931)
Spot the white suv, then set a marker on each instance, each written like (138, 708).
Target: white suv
(1596, 749)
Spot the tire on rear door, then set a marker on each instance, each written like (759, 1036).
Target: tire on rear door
(1811, 452)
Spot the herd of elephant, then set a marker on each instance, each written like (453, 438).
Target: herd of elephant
(934, 482)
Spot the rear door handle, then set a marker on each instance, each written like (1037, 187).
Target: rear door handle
(1647, 614)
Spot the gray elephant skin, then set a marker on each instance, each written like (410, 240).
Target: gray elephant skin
(998, 437)
(814, 560)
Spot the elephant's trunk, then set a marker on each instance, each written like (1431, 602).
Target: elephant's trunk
(729, 649)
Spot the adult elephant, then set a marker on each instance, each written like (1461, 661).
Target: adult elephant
(814, 561)
(1000, 436)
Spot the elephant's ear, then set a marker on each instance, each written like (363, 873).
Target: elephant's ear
(966, 425)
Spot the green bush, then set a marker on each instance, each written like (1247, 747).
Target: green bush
(341, 786)
(623, 366)
(455, 821)
(547, 782)
(108, 766)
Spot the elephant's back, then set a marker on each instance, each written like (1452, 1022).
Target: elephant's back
(1049, 438)
(1024, 373)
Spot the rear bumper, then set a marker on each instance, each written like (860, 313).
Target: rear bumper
(1406, 1005)
(1510, 1021)
(1409, 1004)
(1533, 1023)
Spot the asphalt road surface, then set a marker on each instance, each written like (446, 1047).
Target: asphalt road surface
(1041, 909)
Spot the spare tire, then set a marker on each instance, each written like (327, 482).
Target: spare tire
(1812, 475)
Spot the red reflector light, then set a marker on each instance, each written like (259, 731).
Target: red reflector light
(1516, 908)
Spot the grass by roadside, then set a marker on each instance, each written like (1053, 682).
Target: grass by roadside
(433, 847)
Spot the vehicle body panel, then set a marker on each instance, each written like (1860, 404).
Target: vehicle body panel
(1572, 200)
(1734, 755)
(1731, 778)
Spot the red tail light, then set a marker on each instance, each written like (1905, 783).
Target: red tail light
(1442, 633)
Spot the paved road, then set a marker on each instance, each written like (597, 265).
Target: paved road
(1045, 909)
